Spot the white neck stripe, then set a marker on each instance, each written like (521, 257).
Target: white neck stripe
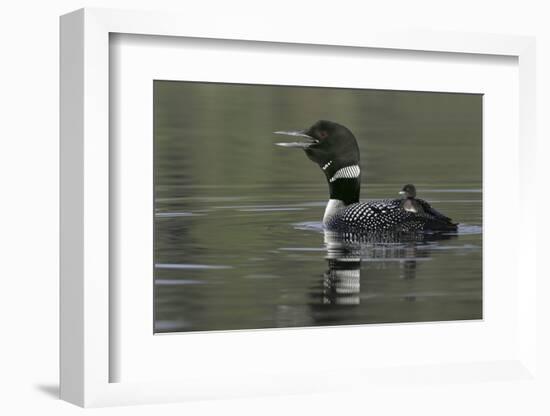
(327, 165)
(347, 172)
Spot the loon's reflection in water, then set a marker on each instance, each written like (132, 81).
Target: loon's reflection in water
(342, 281)
(350, 258)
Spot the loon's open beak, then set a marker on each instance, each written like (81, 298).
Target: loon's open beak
(401, 192)
(299, 133)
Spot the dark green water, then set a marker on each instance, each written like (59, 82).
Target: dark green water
(238, 242)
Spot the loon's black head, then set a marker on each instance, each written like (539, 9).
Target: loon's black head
(334, 148)
(409, 191)
(325, 143)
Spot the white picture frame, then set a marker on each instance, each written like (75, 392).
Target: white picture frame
(86, 303)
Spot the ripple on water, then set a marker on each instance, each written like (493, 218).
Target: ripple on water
(271, 209)
(303, 249)
(177, 282)
(309, 226)
(466, 229)
(432, 247)
(451, 191)
(463, 229)
(190, 266)
(261, 276)
(177, 214)
(260, 208)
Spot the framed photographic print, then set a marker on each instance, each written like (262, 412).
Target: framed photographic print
(286, 213)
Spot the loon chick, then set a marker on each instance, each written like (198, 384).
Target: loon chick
(412, 204)
(409, 203)
(334, 148)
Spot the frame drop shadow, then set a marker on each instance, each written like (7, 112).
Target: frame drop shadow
(51, 390)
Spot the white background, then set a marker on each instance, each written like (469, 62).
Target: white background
(29, 172)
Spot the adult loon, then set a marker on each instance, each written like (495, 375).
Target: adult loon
(334, 148)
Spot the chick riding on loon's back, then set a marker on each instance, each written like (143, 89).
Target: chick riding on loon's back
(412, 204)
(334, 148)
(409, 202)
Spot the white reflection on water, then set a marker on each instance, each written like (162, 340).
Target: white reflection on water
(176, 214)
(190, 266)
(271, 209)
(172, 282)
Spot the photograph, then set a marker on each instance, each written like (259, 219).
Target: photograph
(279, 206)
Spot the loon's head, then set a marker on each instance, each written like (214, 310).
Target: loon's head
(330, 145)
(409, 191)
(334, 148)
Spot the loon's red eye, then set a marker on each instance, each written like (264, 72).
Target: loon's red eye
(322, 134)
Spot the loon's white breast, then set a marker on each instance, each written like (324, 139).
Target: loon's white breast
(333, 207)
